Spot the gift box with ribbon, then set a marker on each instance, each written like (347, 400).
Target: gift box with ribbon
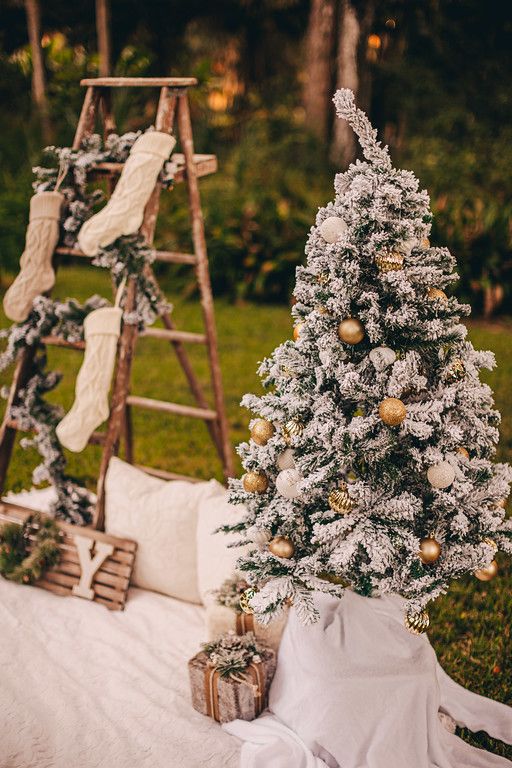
(230, 678)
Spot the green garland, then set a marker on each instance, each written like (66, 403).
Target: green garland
(28, 550)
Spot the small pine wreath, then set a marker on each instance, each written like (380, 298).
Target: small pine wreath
(27, 550)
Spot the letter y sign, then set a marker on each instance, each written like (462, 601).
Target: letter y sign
(89, 565)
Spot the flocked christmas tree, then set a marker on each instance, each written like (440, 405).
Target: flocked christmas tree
(370, 462)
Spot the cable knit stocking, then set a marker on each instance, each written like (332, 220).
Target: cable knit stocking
(123, 213)
(36, 273)
(91, 408)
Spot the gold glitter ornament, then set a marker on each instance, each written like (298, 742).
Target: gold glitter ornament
(463, 451)
(293, 428)
(436, 294)
(425, 242)
(340, 501)
(487, 573)
(255, 482)
(389, 261)
(430, 550)
(456, 371)
(281, 546)
(392, 411)
(296, 331)
(245, 600)
(261, 431)
(502, 503)
(417, 623)
(351, 330)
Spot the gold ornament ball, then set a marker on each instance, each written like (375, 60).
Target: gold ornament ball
(340, 501)
(389, 261)
(417, 623)
(430, 550)
(425, 242)
(296, 331)
(351, 330)
(261, 431)
(281, 546)
(435, 294)
(322, 278)
(255, 482)
(502, 503)
(293, 428)
(456, 371)
(245, 600)
(463, 451)
(487, 573)
(392, 411)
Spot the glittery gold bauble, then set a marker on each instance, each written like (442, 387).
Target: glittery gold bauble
(463, 451)
(293, 428)
(430, 549)
(322, 310)
(351, 330)
(245, 600)
(417, 623)
(490, 543)
(340, 501)
(255, 482)
(261, 431)
(296, 331)
(502, 503)
(281, 546)
(487, 573)
(456, 371)
(436, 294)
(425, 242)
(389, 261)
(392, 411)
(322, 278)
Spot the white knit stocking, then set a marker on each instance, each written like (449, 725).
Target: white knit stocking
(36, 273)
(123, 213)
(91, 408)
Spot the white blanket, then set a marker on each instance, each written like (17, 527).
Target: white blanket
(83, 687)
(356, 690)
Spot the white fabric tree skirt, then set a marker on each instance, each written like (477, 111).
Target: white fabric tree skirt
(356, 690)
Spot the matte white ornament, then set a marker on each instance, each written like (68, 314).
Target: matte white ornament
(124, 211)
(91, 408)
(408, 245)
(332, 229)
(441, 475)
(382, 357)
(285, 459)
(286, 483)
(36, 273)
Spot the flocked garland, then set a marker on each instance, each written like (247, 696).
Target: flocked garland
(126, 257)
(231, 654)
(27, 550)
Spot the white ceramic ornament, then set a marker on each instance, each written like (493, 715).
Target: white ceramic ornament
(286, 483)
(332, 229)
(441, 475)
(285, 459)
(382, 357)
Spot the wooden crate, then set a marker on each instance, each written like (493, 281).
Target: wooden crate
(110, 582)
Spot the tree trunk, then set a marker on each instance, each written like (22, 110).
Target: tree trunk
(103, 34)
(318, 66)
(343, 145)
(33, 12)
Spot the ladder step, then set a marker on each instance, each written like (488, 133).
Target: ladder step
(176, 408)
(164, 475)
(139, 82)
(56, 341)
(205, 165)
(163, 333)
(170, 257)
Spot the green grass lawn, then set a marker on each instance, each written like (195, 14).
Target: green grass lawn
(470, 625)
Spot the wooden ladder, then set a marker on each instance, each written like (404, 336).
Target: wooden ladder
(173, 103)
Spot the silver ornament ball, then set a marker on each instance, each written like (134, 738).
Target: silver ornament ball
(332, 229)
(382, 357)
(285, 459)
(286, 483)
(441, 475)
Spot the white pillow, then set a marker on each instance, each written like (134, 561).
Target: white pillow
(161, 516)
(215, 561)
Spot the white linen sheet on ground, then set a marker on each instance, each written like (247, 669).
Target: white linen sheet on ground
(84, 687)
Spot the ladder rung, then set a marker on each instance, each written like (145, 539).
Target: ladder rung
(170, 257)
(176, 408)
(56, 341)
(163, 333)
(164, 475)
(134, 82)
(205, 164)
